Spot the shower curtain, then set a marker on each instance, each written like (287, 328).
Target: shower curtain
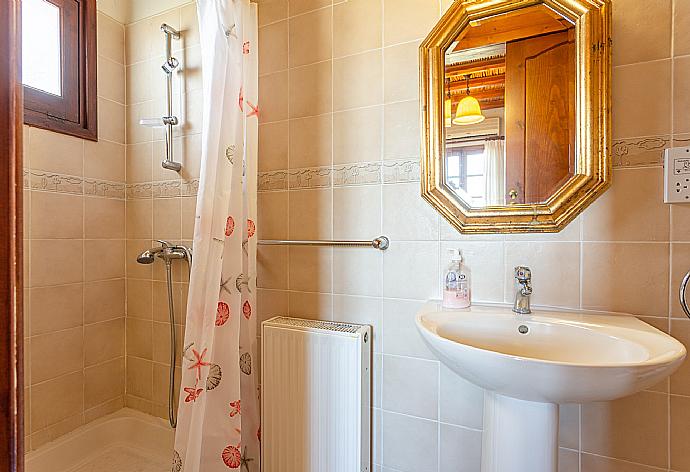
(218, 424)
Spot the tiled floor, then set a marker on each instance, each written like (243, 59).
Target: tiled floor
(124, 459)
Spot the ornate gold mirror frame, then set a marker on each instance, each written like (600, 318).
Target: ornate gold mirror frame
(592, 21)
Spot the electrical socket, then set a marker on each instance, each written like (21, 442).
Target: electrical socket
(677, 175)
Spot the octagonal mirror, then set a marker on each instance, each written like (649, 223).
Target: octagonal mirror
(515, 98)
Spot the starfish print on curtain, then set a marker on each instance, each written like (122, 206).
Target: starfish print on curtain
(218, 426)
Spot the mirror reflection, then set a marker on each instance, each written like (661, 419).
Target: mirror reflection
(510, 108)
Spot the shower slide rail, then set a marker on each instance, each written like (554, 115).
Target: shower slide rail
(381, 243)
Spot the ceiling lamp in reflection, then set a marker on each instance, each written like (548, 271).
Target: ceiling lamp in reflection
(469, 112)
(448, 106)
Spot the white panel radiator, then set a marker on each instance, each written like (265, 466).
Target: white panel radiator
(315, 393)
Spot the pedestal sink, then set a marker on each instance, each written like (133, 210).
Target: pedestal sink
(529, 364)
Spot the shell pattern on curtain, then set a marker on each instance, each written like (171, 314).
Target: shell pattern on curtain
(218, 425)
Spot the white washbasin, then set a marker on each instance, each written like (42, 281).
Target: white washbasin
(529, 364)
(564, 357)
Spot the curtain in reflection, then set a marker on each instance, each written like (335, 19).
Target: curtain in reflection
(494, 172)
(218, 425)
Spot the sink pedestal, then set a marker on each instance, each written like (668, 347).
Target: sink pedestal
(519, 435)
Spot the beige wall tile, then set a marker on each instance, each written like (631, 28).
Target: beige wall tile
(188, 214)
(357, 212)
(297, 7)
(273, 215)
(161, 343)
(399, 281)
(617, 217)
(104, 160)
(56, 152)
(680, 424)
(310, 269)
(614, 282)
(137, 133)
(104, 409)
(273, 90)
(310, 92)
(636, 112)
(160, 302)
(104, 259)
(104, 341)
(167, 222)
(104, 382)
(401, 130)
(681, 94)
(401, 72)
(487, 264)
(314, 208)
(273, 146)
(592, 463)
(681, 28)
(139, 379)
(357, 81)
(459, 448)
(460, 402)
(111, 39)
(310, 37)
(407, 20)
(410, 386)
(356, 26)
(104, 218)
(400, 336)
(140, 81)
(140, 219)
(139, 298)
(111, 121)
(406, 216)
(139, 159)
(317, 306)
(56, 262)
(273, 53)
(311, 141)
(642, 30)
(104, 300)
(357, 272)
(409, 443)
(272, 10)
(270, 303)
(55, 308)
(111, 83)
(56, 216)
(568, 460)
(606, 429)
(680, 264)
(555, 271)
(358, 135)
(55, 354)
(45, 411)
(139, 338)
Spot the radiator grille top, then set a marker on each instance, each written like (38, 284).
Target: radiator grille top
(316, 324)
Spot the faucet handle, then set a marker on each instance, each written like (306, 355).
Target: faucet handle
(164, 244)
(523, 274)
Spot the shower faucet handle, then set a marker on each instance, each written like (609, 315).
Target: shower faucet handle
(164, 243)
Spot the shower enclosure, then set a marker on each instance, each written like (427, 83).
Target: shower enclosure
(108, 232)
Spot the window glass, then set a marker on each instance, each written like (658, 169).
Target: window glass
(41, 46)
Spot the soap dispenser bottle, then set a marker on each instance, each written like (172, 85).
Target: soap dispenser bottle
(457, 289)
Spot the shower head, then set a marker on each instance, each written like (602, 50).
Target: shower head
(146, 257)
(170, 65)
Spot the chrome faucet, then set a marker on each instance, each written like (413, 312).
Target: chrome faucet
(523, 282)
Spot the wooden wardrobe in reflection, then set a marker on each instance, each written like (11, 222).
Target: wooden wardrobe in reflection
(539, 95)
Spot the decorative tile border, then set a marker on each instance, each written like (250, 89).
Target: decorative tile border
(43, 181)
(648, 151)
(341, 175)
(163, 189)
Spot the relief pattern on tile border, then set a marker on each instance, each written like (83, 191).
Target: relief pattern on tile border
(61, 183)
(647, 151)
(341, 175)
(163, 189)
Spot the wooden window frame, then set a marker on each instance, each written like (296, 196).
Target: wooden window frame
(75, 111)
(11, 279)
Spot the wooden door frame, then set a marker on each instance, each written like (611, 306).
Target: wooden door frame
(11, 240)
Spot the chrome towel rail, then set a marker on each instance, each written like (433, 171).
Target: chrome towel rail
(683, 287)
(380, 243)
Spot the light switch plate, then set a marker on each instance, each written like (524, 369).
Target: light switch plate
(677, 175)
